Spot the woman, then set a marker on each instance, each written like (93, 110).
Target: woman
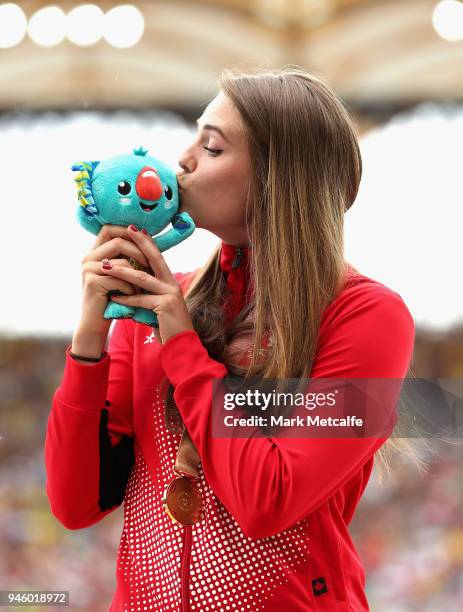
(273, 169)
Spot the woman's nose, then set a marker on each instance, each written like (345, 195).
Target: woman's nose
(186, 163)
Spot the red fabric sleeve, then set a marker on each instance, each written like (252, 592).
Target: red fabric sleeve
(269, 484)
(89, 430)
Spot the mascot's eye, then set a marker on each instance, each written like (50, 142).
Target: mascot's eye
(168, 192)
(124, 188)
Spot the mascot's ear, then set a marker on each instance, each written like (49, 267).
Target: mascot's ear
(88, 166)
(84, 185)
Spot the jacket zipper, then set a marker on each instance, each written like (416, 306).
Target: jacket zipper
(237, 259)
(186, 552)
(184, 571)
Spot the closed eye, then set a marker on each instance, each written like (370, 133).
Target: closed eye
(213, 152)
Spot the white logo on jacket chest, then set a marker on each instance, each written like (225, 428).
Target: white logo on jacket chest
(150, 339)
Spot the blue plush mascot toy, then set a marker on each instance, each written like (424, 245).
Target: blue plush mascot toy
(131, 188)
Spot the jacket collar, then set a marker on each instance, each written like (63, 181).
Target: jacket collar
(232, 257)
(234, 262)
(235, 265)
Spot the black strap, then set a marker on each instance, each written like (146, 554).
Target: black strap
(94, 359)
(115, 465)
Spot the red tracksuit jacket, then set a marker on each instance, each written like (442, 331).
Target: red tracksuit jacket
(275, 533)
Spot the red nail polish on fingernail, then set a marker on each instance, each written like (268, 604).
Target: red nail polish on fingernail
(133, 227)
(106, 265)
(145, 232)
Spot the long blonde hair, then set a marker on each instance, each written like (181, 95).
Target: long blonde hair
(306, 168)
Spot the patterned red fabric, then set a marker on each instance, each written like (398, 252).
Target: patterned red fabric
(275, 529)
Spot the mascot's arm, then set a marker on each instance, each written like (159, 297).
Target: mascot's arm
(182, 227)
(90, 223)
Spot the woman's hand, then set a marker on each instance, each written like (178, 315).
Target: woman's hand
(165, 298)
(112, 241)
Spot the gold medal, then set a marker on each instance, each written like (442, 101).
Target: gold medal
(182, 498)
(183, 501)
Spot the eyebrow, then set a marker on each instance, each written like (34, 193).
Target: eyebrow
(208, 126)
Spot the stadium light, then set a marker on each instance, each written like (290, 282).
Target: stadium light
(447, 19)
(47, 26)
(123, 26)
(84, 24)
(13, 25)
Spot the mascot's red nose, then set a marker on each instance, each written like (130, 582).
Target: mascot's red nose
(148, 184)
